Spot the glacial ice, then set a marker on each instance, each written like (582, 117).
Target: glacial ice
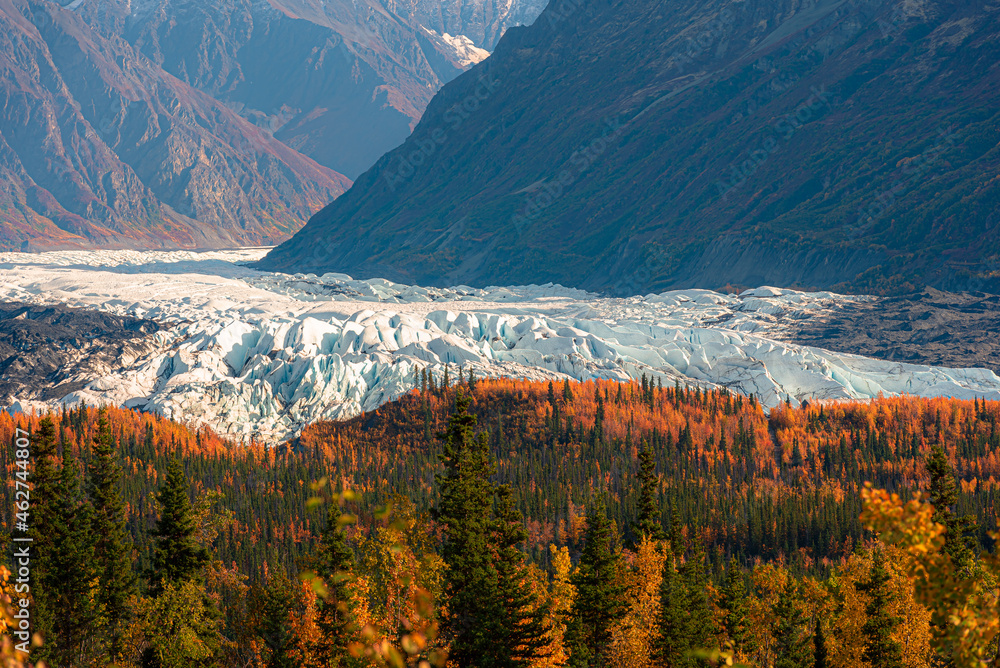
(259, 355)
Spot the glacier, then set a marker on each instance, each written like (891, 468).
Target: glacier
(258, 355)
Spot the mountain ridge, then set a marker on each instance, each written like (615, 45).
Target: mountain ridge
(756, 147)
(100, 147)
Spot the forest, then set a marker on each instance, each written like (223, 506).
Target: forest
(498, 522)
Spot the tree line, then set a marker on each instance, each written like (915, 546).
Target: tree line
(640, 567)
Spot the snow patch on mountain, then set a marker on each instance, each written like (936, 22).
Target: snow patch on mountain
(258, 354)
(465, 51)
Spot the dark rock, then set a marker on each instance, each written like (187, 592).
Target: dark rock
(47, 352)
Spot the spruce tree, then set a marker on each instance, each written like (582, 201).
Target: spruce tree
(881, 651)
(334, 564)
(685, 621)
(648, 523)
(276, 603)
(700, 622)
(113, 549)
(735, 606)
(177, 556)
(44, 513)
(567, 392)
(176, 578)
(673, 619)
(71, 579)
(465, 511)
(599, 601)
(516, 623)
(820, 653)
(791, 647)
(943, 496)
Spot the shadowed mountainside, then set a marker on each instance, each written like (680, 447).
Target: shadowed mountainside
(620, 147)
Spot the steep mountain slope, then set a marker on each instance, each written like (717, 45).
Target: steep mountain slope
(100, 146)
(342, 81)
(623, 147)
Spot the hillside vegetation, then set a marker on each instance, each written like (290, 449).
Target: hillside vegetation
(628, 524)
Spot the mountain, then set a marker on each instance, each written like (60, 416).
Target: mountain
(99, 146)
(211, 123)
(629, 147)
(342, 81)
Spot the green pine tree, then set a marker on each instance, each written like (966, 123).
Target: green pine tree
(700, 622)
(791, 646)
(820, 652)
(44, 513)
(648, 523)
(517, 621)
(465, 511)
(599, 601)
(735, 606)
(881, 651)
(177, 555)
(673, 619)
(113, 549)
(190, 635)
(685, 623)
(335, 565)
(276, 603)
(943, 496)
(71, 581)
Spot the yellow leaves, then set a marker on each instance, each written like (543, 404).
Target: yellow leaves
(415, 644)
(963, 605)
(559, 600)
(10, 657)
(717, 657)
(633, 639)
(908, 525)
(846, 644)
(176, 625)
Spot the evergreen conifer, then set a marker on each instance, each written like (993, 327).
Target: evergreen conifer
(177, 556)
(599, 601)
(113, 549)
(881, 651)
